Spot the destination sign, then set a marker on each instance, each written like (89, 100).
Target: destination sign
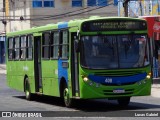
(114, 25)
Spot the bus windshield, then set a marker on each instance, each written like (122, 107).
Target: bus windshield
(116, 51)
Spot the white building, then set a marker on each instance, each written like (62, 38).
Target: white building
(1, 18)
(2, 34)
(140, 8)
(42, 12)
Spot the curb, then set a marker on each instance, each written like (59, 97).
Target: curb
(155, 92)
(3, 66)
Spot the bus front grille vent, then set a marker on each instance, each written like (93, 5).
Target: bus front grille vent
(118, 84)
(118, 73)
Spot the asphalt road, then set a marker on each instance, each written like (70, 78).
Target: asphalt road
(12, 100)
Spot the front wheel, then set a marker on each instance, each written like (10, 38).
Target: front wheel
(67, 100)
(124, 101)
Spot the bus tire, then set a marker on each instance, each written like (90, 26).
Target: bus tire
(28, 93)
(124, 101)
(68, 102)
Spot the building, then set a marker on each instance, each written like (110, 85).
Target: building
(24, 14)
(2, 34)
(149, 10)
(140, 8)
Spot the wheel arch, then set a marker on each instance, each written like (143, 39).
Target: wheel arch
(63, 82)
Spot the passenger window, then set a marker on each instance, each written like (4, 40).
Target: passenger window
(10, 48)
(65, 44)
(55, 45)
(17, 48)
(46, 45)
(23, 47)
(29, 47)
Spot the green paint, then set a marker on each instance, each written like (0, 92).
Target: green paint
(17, 70)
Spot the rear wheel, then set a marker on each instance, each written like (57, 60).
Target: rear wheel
(124, 101)
(28, 93)
(67, 100)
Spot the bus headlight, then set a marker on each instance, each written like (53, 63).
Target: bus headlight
(89, 82)
(85, 79)
(148, 76)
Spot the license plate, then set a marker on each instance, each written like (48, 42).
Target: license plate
(119, 91)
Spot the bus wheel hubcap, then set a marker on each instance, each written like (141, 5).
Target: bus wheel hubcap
(27, 90)
(66, 96)
(27, 93)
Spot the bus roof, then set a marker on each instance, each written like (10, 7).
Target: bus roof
(62, 25)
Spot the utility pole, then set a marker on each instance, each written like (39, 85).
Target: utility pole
(125, 5)
(4, 16)
(3, 5)
(4, 23)
(5, 13)
(7, 7)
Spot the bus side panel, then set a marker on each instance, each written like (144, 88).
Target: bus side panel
(29, 72)
(16, 72)
(15, 75)
(50, 77)
(9, 67)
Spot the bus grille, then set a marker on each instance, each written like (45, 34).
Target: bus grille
(118, 73)
(107, 84)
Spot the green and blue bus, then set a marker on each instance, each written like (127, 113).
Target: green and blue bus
(94, 58)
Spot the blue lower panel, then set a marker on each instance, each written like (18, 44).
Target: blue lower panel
(62, 72)
(117, 80)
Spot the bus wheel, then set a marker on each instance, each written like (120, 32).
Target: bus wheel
(67, 100)
(27, 90)
(124, 101)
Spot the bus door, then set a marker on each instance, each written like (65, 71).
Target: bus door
(74, 67)
(37, 63)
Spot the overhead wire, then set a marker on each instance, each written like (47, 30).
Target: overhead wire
(62, 15)
(69, 15)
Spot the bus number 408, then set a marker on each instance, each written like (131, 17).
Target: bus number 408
(108, 80)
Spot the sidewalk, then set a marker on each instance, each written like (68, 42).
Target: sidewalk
(2, 69)
(3, 66)
(155, 91)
